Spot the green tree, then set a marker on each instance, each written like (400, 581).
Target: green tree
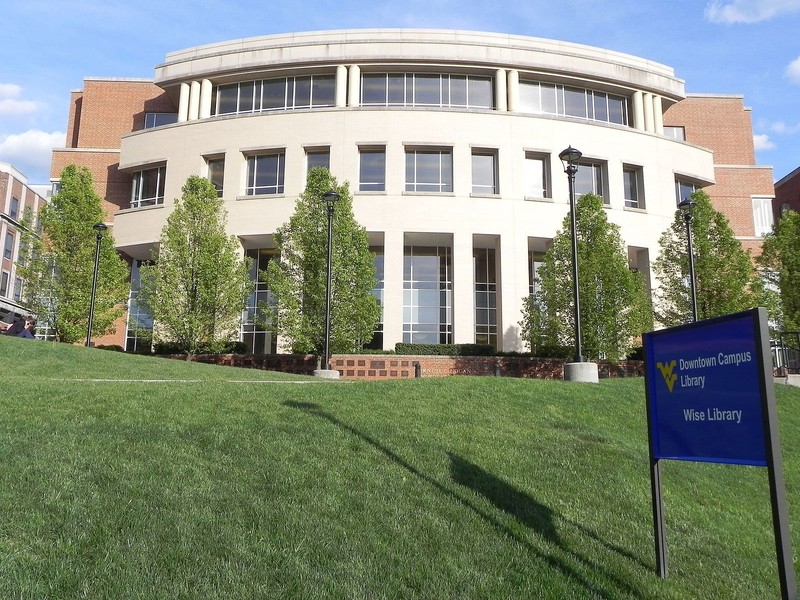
(780, 261)
(725, 277)
(198, 283)
(298, 279)
(615, 305)
(57, 262)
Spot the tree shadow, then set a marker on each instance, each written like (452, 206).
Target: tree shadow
(537, 516)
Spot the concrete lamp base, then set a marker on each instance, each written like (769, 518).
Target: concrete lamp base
(582, 372)
(326, 373)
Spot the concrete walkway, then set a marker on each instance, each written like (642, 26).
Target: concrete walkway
(789, 380)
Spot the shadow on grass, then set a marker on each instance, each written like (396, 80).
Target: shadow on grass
(533, 514)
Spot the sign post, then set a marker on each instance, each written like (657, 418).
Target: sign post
(710, 398)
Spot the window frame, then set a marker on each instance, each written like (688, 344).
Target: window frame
(532, 156)
(378, 185)
(638, 202)
(8, 245)
(277, 186)
(762, 205)
(138, 186)
(416, 185)
(599, 179)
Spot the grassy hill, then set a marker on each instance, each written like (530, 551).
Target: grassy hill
(134, 477)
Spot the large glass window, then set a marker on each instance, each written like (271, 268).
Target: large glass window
(376, 343)
(318, 158)
(684, 190)
(427, 89)
(256, 332)
(139, 327)
(216, 173)
(484, 172)
(762, 216)
(535, 260)
(8, 248)
(485, 296)
(429, 171)
(537, 178)
(372, 170)
(265, 174)
(148, 187)
(554, 99)
(284, 93)
(632, 185)
(590, 179)
(13, 211)
(427, 295)
(157, 119)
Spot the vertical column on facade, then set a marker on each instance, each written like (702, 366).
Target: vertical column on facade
(501, 90)
(354, 86)
(513, 288)
(341, 87)
(513, 90)
(638, 111)
(658, 115)
(183, 103)
(647, 100)
(194, 101)
(463, 289)
(393, 242)
(205, 98)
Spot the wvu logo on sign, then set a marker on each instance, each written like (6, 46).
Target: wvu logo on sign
(666, 371)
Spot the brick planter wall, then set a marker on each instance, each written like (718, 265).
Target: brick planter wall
(390, 366)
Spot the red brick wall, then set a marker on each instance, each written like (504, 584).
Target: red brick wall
(788, 192)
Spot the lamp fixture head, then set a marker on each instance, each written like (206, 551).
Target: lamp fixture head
(331, 198)
(569, 158)
(100, 228)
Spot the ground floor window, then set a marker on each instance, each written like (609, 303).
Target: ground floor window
(139, 327)
(376, 343)
(427, 295)
(256, 332)
(485, 296)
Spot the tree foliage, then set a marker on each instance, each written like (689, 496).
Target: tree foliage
(780, 259)
(615, 305)
(298, 280)
(198, 283)
(725, 278)
(57, 262)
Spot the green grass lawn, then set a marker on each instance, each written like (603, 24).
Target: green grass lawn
(133, 477)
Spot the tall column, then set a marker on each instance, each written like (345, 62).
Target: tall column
(513, 90)
(354, 86)
(183, 103)
(501, 92)
(463, 289)
(205, 98)
(392, 288)
(341, 86)
(194, 101)
(638, 111)
(658, 115)
(647, 100)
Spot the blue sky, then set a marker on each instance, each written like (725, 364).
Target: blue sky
(746, 47)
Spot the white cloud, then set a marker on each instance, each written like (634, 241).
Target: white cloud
(31, 152)
(9, 90)
(761, 141)
(748, 11)
(793, 71)
(10, 105)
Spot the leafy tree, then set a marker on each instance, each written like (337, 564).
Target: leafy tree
(57, 262)
(725, 278)
(298, 279)
(198, 283)
(615, 306)
(780, 259)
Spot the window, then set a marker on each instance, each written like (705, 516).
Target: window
(427, 295)
(318, 158)
(139, 327)
(8, 248)
(148, 187)
(216, 173)
(678, 133)
(485, 274)
(158, 119)
(17, 289)
(535, 260)
(427, 89)
(14, 209)
(4, 283)
(256, 331)
(632, 184)
(429, 171)
(590, 180)
(552, 99)
(376, 343)
(537, 179)
(284, 93)
(762, 216)
(684, 190)
(372, 170)
(484, 172)
(265, 174)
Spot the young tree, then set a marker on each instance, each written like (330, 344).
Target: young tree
(298, 279)
(725, 278)
(57, 262)
(198, 283)
(780, 261)
(615, 305)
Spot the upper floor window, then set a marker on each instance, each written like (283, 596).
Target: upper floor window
(632, 186)
(284, 93)
(318, 158)
(157, 119)
(265, 173)
(537, 179)
(684, 189)
(13, 210)
(148, 187)
(427, 89)
(429, 171)
(372, 169)
(678, 133)
(216, 173)
(484, 172)
(555, 99)
(8, 248)
(762, 216)
(590, 179)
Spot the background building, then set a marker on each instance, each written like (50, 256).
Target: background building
(449, 141)
(787, 193)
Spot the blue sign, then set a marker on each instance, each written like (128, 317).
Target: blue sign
(704, 390)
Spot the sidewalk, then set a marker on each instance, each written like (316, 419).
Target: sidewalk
(792, 379)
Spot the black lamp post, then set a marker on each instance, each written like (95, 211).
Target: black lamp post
(99, 229)
(686, 208)
(331, 198)
(570, 158)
